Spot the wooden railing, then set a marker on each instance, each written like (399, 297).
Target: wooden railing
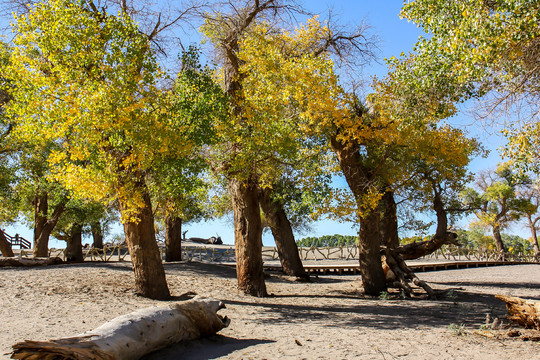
(223, 254)
(17, 240)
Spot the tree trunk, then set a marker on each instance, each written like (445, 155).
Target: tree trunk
(140, 234)
(43, 226)
(41, 239)
(389, 223)
(173, 238)
(248, 237)
(5, 246)
(97, 235)
(359, 178)
(498, 241)
(369, 245)
(532, 226)
(283, 236)
(74, 251)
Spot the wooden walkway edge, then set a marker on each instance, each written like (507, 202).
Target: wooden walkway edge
(353, 269)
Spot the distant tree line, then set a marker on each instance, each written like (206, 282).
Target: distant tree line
(477, 239)
(328, 241)
(473, 239)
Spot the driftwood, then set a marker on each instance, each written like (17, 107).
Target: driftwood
(522, 311)
(134, 335)
(211, 241)
(19, 261)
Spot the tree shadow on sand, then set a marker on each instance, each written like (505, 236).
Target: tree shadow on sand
(202, 349)
(460, 308)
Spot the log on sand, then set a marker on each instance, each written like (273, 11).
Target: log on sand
(522, 311)
(20, 261)
(134, 335)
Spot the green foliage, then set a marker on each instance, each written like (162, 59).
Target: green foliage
(180, 184)
(87, 81)
(496, 201)
(82, 213)
(478, 47)
(476, 238)
(458, 329)
(413, 239)
(328, 241)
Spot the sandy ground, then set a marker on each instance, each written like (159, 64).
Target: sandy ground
(326, 319)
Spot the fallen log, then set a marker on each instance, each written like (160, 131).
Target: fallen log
(131, 336)
(522, 311)
(20, 261)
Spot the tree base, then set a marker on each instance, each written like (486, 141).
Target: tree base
(399, 275)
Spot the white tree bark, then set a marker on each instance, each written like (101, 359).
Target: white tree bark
(131, 336)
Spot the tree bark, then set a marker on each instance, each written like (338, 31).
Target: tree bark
(522, 311)
(532, 227)
(74, 251)
(173, 238)
(43, 225)
(248, 237)
(283, 236)
(359, 179)
(140, 234)
(389, 223)
(97, 235)
(5, 246)
(369, 245)
(498, 240)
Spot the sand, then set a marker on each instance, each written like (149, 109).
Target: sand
(326, 319)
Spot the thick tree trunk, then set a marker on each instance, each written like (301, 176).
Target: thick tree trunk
(532, 227)
(359, 179)
(43, 225)
(498, 241)
(248, 237)
(369, 245)
(131, 336)
(74, 251)
(5, 246)
(141, 240)
(173, 238)
(389, 223)
(97, 235)
(283, 236)
(41, 239)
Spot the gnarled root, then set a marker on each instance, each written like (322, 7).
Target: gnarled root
(131, 336)
(399, 275)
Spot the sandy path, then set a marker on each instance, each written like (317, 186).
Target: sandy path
(327, 319)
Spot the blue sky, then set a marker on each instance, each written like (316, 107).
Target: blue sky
(395, 36)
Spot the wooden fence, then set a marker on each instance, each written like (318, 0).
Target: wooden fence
(227, 254)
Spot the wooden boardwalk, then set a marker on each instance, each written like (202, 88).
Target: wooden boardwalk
(353, 269)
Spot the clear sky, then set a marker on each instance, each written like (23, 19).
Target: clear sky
(395, 36)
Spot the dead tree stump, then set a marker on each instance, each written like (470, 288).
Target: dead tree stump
(521, 311)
